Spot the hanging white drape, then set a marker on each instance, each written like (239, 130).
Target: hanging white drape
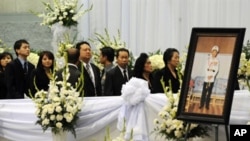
(149, 25)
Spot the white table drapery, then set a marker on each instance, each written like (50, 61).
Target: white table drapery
(17, 117)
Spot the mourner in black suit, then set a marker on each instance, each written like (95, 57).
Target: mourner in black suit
(107, 56)
(41, 75)
(115, 78)
(91, 73)
(75, 73)
(18, 71)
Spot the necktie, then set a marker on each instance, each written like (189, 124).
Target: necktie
(125, 75)
(89, 72)
(25, 68)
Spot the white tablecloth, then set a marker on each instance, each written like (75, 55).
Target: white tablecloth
(17, 118)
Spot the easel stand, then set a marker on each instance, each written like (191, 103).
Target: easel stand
(216, 126)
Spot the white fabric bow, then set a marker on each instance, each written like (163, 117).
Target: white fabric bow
(134, 93)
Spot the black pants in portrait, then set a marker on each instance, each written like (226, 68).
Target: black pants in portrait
(206, 94)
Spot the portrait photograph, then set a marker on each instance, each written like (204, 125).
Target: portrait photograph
(210, 74)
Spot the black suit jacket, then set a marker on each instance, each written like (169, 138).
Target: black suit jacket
(39, 79)
(88, 86)
(114, 81)
(17, 81)
(74, 75)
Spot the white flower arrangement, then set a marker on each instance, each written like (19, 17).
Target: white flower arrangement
(64, 12)
(157, 61)
(120, 137)
(4, 47)
(100, 41)
(33, 58)
(244, 67)
(64, 45)
(171, 128)
(58, 107)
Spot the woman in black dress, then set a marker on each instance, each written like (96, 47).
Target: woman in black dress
(171, 77)
(40, 77)
(143, 69)
(5, 58)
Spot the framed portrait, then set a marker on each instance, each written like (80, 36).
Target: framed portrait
(210, 75)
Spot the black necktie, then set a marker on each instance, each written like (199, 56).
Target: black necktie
(125, 75)
(25, 68)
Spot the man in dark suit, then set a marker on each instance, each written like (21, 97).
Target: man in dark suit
(75, 73)
(18, 71)
(119, 75)
(91, 73)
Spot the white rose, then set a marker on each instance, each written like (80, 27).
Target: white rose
(69, 46)
(38, 112)
(60, 18)
(178, 133)
(58, 109)
(65, 13)
(74, 18)
(45, 110)
(51, 110)
(60, 22)
(59, 125)
(68, 117)
(168, 130)
(56, 98)
(69, 108)
(59, 117)
(163, 126)
(1, 50)
(156, 121)
(45, 121)
(52, 117)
